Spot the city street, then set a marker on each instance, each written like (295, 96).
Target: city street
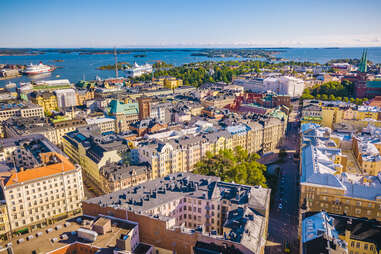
(283, 221)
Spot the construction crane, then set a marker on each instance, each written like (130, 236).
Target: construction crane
(116, 63)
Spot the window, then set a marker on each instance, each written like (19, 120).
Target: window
(357, 245)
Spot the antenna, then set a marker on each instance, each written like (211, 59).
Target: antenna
(116, 63)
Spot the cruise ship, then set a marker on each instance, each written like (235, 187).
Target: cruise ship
(38, 69)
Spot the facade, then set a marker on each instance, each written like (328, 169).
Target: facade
(23, 110)
(117, 176)
(92, 150)
(47, 100)
(325, 183)
(84, 95)
(66, 98)
(366, 150)
(38, 196)
(320, 236)
(188, 208)
(66, 126)
(361, 235)
(284, 86)
(172, 82)
(105, 124)
(4, 221)
(144, 107)
(16, 127)
(124, 114)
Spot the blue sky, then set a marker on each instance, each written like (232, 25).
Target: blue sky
(169, 23)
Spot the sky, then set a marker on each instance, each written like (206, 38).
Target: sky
(194, 23)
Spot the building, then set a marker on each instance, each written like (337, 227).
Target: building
(92, 150)
(17, 127)
(117, 176)
(105, 124)
(220, 101)
(21, 109)
(138, 70)
(320, 236)
(172, 82)
(84, 95)
(361, 235)
(327, 184)
(66, 126)
(113, 235)
(47, 100)
(42, 187)
(367, 151)
(124, 114)
(66, 98)
(144, 107)
(4, 221)
(188, 208)
(284, 85)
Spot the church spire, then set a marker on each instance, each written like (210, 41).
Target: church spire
(363, 67)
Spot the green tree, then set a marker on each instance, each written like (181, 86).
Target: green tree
(332, 97)
(233, 166)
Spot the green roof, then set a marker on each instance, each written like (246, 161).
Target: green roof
(117, 107)
(374, 84)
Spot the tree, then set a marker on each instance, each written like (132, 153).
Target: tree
(332, 97)
(324, 97)
(233, 166)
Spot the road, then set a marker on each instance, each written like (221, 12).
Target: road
(283, 222)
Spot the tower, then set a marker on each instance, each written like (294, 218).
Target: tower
(116, 63)
(363, 67)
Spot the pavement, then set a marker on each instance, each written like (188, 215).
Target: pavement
(283, 222)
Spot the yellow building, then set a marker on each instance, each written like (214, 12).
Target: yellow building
(172, 82)
(361, 235)
(324, 184)
(4, 222)
(47, 100)
(91, 153)
(331, 115)
(367, 154)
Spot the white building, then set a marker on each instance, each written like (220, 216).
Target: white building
(251, 85)
(36, 196)
(105, 124)
(66, 98)
(284, 85)
(138, 70)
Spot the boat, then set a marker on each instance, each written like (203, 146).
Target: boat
(10, 85)
(40, 68)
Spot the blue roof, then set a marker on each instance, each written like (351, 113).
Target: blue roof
(317, 225)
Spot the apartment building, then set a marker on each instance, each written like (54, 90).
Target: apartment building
(191, 209)
(4, 222)
(66, 126)
(117, 176)
(105, 124)
(47, 100)
(83, 95)
(367, 152)
(22, 109)
(325, 184)
(38, 195)
(319, 235)
(92, 150)
(181, 154)
(16, 127)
